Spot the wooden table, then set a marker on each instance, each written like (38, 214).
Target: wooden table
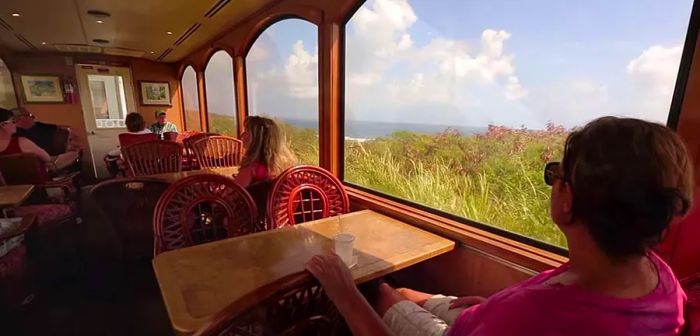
(13, 196)
(199, 281)
(174, 177)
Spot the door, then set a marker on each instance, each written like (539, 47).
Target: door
(107, 96)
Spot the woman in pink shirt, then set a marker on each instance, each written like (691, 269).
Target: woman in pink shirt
(618, 187)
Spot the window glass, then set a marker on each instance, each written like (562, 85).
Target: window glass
(221, 102)
(282, 74)
(457, 105)
(108, 100)
(7, 90)
(190, 100)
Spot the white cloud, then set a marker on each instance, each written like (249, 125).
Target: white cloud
(389, 74)
(406, 42)
(395, 75)
(653, 76)
(302, 72)
(514, 90)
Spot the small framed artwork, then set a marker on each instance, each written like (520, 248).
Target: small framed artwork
(42, 89)
(155, 93)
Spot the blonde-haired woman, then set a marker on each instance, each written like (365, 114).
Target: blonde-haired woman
(266, 155)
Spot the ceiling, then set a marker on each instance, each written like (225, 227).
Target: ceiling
(136, 28)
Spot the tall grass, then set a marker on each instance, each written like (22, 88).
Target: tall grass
(494, 177)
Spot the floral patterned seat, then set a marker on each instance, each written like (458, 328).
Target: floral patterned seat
(15, 278)
(48, 215)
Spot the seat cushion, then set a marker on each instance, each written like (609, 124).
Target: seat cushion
(13, 262)
(46, 213)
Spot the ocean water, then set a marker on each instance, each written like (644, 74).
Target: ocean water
(360, 129)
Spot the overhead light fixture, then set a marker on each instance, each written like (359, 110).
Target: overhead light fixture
(98, 14)
(169, 32)
(99, 21)
(153, 52)
(15, 14)
(43, 43)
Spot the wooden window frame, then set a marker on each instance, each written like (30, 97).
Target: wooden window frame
(331, 20)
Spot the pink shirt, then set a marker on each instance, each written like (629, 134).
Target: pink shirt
(534, 308)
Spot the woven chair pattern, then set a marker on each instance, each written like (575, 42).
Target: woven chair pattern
(200, 209)
(305, 193)
(153, 157)
(218, 151)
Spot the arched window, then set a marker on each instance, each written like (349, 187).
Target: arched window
(190, 100)
(7, 90)
(457, 105)
(221, 99)
(282, 74)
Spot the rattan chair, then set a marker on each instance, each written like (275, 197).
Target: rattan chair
(218, 151)
(153, 157)
(295, 305)
(202, 208)
(305, 193)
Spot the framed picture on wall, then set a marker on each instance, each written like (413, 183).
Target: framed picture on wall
(155, 93)
(42, 89)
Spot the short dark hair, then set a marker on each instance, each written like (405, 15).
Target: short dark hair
(629, 178)
(134, 122)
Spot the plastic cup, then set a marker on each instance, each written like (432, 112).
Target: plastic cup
(343, 247)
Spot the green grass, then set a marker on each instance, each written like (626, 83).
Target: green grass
(222, 124)
(494, 178)
(302, 141)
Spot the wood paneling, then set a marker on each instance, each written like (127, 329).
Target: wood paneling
(463, 271)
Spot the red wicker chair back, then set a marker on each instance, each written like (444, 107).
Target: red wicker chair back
(170, 136)
(202, 208)
(291, 306)
(128, 139)
(218, 151)
(305, 193)
(153, 157)
(187, 139)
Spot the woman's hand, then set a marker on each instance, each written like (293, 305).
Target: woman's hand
(333, 275)
(466, 301)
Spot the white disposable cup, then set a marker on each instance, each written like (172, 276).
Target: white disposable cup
(343, 247)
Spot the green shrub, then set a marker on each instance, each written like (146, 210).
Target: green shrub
(494, 177)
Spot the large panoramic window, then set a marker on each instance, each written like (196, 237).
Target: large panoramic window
(282, 73)
(221, 102)
(457, 105)
(190, 100)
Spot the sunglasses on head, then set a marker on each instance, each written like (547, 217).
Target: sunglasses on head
(552, 172)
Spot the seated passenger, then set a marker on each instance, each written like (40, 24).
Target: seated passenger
(618, 187)
(11, 143)
(266, 152)
(162, 125)
(135, 124)
(42, 134)
(38, 132)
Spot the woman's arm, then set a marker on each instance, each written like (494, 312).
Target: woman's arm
(337, 281)
(245, 176)
(27, 146)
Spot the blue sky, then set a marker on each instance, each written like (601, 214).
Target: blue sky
(475, 62)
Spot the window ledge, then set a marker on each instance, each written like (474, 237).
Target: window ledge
(519, 253)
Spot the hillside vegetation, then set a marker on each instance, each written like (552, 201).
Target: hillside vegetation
(494, 177)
